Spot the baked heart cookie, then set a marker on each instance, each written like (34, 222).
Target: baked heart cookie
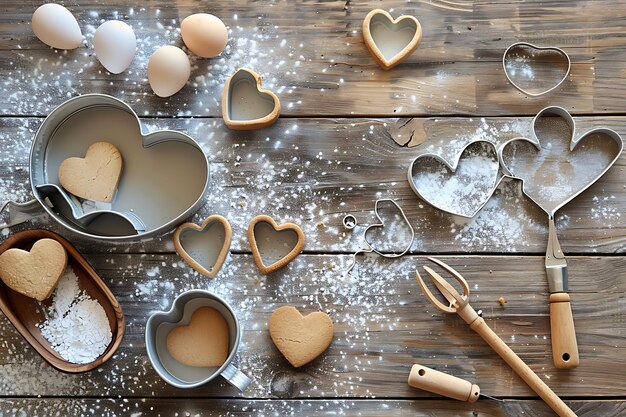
(300, 338)
(94, 177)
(34, 273)
(204, 342)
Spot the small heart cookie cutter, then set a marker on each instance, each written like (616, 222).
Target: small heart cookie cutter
(538, 48)
(564, 344)
(452, 166)
(248, 116)
(368, 246)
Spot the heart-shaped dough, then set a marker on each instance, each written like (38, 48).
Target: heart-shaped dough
(559, 167)
(204, 342)
(300, 338)
(461, 188)
(274, 246)
(522, 60)
(247, 106)
(94, 177)
(204, 247)
(388, 40)
(34, 273)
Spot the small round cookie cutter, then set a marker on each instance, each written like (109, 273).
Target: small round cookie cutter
(349, 221)
(538, 48)
(368, 246)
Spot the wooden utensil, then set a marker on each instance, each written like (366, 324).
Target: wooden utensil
(443, 384)
(25, 313)
(460, 304)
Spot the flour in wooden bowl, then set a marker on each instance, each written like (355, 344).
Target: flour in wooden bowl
(76, 325)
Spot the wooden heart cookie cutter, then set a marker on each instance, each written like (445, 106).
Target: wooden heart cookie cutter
(268, 269)
(244, 75)
(375, 49)
(221, 257)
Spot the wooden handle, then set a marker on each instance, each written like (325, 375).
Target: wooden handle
(521, 369)
(443, 384)
(564, 345)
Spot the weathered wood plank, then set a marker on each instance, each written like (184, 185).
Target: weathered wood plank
(383, 325)
(314, 171)
(312, 54)
(146, 407)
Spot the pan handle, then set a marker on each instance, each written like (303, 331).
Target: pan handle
(20, 212)
(564, 344)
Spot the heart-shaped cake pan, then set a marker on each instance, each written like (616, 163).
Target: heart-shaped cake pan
(165, 174)
(25, 313)
(554, 164)
(390, 40)
(274, 246)
(461, 187)
(204, 247)
(527, 66)
(247, 106)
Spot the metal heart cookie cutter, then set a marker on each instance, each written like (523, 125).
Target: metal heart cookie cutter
(522, 64)
(164, 178)
(461, 187)
(551, 176)
(369, 248)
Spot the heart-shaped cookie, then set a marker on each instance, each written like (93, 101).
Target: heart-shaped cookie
(34, 273)
(300, 338)
(462, 187)
(203, 342)
(94, 177)
(274, 246)
(204, 247)
(559, 166)
(389, 40)
(535, 70)
(247, 106)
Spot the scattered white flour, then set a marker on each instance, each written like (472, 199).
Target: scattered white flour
(465, 190)
(76, 325)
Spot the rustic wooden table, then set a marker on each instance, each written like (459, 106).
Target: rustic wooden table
(333, 152)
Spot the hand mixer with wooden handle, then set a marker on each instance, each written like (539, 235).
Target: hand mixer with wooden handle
(460, 304)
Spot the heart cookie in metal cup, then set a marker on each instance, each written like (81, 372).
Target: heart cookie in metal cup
(164, 176)
(461, 187)
(160, 347)
(535, 70)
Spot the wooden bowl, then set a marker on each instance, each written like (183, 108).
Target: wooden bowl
(25, 313)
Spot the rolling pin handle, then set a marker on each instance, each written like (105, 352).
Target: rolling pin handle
(443, 384)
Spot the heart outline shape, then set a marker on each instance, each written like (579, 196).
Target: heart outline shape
(251, 124)
(89, 163)
(18, 262)
(538, 48)
(452, 166)
(573, 143)
(289, 331)
(256, 254)
(375, 50)
(221, 257)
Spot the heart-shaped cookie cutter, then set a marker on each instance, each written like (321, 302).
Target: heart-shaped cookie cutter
(58, 137)
(256, 249)
(248, 117)
(564, 344)
(452, 166)
(369, 248)
(538, 48)
(379, 17)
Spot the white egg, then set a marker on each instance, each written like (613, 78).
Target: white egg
(57, 27)
(115, 45)
(168, 70)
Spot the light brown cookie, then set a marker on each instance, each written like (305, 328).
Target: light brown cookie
(94, 177)
(204, 342)
(300, 338)
(36, 273)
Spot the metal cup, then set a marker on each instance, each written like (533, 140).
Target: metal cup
(184, 376)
